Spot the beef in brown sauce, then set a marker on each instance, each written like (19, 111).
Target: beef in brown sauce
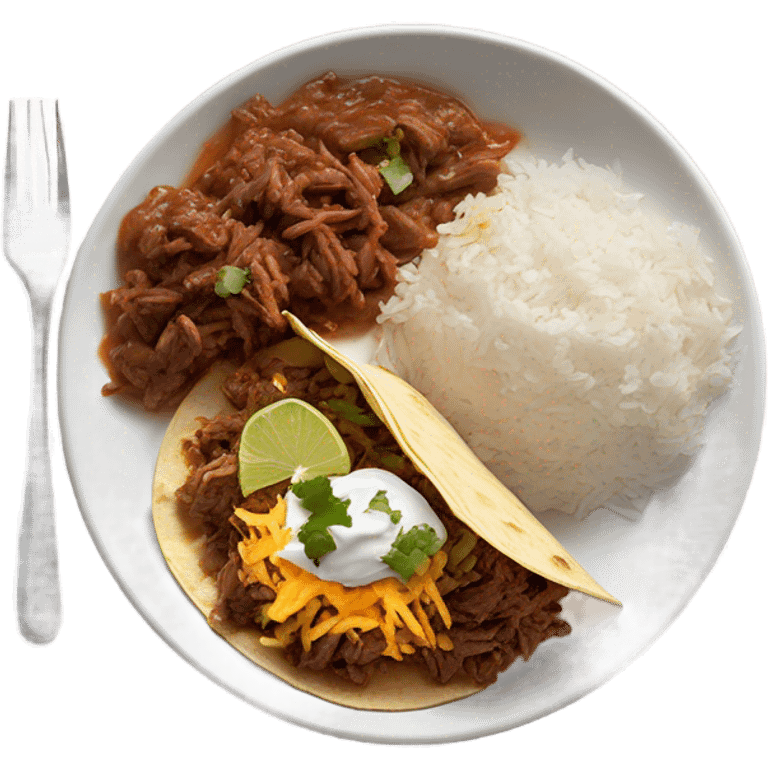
(295, 197)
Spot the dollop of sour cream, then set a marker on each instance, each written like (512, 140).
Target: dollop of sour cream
(356, 561)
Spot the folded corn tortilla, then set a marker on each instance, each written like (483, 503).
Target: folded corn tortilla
(483, 504)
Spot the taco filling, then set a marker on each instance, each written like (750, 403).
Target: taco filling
(446, 601)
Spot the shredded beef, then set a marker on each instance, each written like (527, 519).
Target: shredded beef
(295, 198)
(499, 610)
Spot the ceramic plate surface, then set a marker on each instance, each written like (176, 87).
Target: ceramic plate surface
(654, 566)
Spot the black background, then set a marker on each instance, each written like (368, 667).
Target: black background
(108, 669)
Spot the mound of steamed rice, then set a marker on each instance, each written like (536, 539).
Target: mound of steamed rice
(571, 334)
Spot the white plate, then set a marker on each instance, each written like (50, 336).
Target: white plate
(654, 566)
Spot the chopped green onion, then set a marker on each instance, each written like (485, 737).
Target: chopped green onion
(338, 371)
(466, 565)
(396, 173)
(231, 280)
(461, 549)
(393, 167)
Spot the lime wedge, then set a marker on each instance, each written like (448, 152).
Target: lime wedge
(289, 439)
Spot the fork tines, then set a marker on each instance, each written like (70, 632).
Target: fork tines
(45, 179)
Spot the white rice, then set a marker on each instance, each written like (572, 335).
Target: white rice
(571, 334)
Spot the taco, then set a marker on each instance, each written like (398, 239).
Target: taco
(412, 639)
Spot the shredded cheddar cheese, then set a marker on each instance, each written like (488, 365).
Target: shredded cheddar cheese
(308, 607)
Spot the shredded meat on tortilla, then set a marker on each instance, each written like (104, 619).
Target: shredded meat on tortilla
(499, 610)
(296, 197)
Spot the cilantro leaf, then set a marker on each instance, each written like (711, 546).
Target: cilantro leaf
(325, 510)
(353, 413)
(380, 503)
(410, 550)
(231, 280)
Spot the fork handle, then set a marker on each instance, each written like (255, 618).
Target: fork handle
(37, 590)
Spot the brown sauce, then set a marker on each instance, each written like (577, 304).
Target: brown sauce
(343, 321)
(212, 150)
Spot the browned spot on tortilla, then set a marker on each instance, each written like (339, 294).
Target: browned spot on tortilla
(562, 562)
(483, 498)
(514, 527)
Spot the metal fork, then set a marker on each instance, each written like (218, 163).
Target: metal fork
(36, 241)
